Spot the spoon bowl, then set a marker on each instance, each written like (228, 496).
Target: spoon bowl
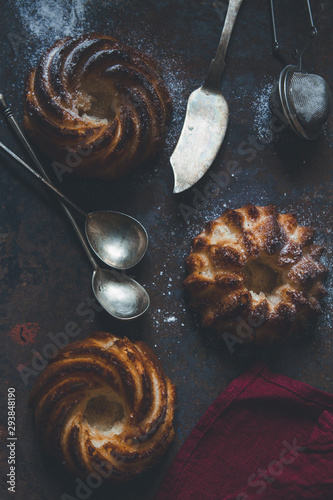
(119, 240)
(120, 295)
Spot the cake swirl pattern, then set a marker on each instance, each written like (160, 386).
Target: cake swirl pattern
(255, 274)
(105, 403)
(97, 106)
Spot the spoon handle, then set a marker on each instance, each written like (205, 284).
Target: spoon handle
(42, 179)
(18, 131)
(213, 80)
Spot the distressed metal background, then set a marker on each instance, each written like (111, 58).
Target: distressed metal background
(45, 278)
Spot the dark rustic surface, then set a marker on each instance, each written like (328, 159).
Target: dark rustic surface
(45, 277)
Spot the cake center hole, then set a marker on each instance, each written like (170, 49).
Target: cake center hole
(96, 101)
(260, 277)
(103, 414)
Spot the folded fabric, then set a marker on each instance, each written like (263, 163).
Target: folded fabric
(266, 436)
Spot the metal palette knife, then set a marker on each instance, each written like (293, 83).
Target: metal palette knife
(206, 117)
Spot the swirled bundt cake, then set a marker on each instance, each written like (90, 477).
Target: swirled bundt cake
(254, 275)
(96, 106)
(104, 405)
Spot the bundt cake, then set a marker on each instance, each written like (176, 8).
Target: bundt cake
(96, 106)
(254, 275)
(104, 405)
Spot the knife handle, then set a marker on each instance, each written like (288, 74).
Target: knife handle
(213, 80)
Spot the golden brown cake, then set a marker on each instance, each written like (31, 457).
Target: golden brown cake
(105, 405)
(96, 106)
(254, 275)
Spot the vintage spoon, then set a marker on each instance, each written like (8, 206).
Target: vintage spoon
(206, 117)
(119, 240)
(121, 296)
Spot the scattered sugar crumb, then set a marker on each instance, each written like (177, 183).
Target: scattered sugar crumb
(263, 114)
(49, 19)
(170, 319)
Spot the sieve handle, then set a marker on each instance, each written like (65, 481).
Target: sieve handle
(276, 45)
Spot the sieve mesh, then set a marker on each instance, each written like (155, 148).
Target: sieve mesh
(309, 98)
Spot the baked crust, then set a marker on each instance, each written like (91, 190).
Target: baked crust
(255, 274)
(97, 106)
(105, 404)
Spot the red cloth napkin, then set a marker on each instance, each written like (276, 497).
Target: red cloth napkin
(265, 437)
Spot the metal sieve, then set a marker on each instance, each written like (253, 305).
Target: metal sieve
(303, 99)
